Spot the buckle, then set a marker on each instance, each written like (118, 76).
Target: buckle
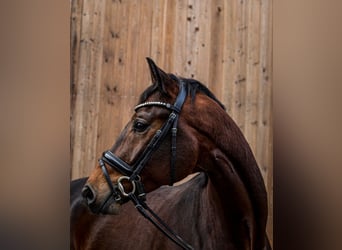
(121, 186)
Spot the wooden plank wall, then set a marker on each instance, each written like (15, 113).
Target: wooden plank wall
(225, 44)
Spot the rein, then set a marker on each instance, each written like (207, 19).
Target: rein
(131, 173)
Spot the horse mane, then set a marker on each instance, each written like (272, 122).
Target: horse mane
(192, 86)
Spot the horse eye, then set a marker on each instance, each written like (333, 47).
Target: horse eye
(140, 126)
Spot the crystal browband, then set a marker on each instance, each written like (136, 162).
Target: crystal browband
(163, 104)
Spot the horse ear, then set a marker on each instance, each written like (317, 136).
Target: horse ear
(158, 76)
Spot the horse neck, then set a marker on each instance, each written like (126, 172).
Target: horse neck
(231, 166)
(228, 194)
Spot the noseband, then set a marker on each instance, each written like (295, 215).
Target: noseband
(132, 173)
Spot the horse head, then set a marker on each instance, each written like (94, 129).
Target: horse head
(157, 141)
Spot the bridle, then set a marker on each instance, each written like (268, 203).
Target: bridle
(132, 173)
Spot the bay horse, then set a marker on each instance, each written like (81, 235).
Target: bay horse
(179, 128)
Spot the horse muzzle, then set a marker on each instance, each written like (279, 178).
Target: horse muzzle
(118, 195)
(109, 205)
(89, 194)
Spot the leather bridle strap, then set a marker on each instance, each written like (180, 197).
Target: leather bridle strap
(153, 145)
(115, 162)
(157, 222)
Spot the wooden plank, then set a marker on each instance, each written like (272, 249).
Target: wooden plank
(192, 35)
(229, 60)
(216, 48)
(157, 30)
(265, 131)
(109, 97)
(252, 71)
(142, 75)
(200, 16)
(180, 57)
(168, 37)
(76, 7)
(239, 86)
(87, 94)
(112, 88)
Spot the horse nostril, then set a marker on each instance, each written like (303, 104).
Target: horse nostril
(89, 194)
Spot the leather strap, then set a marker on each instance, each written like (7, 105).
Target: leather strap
(142, 207)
